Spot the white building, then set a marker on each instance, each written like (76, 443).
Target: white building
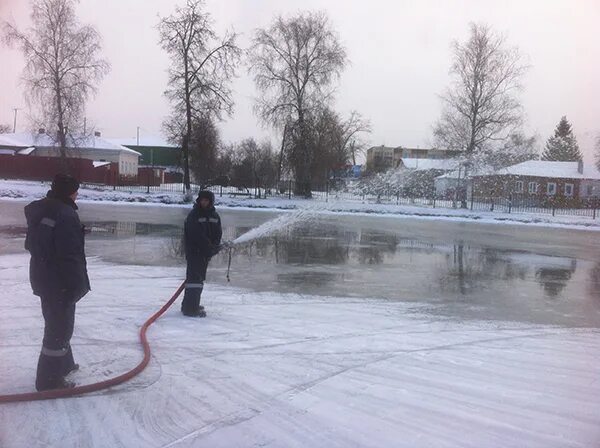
(93, 148)
(416, 164)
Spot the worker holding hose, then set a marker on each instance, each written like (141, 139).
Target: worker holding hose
(58, 275)
(202, 239)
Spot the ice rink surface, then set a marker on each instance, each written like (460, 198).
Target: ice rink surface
(289, 370)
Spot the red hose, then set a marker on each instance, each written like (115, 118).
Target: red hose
(79, 390)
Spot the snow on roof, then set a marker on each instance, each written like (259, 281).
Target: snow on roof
(29, 139)
(479, 171)
(7, 151)
(429, 164)
(26, 151)
(544, 168)
(99, 163)
(12, 140)
(145, 140)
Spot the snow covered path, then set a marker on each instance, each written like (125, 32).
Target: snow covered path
(275, 370)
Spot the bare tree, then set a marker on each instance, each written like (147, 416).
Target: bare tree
(255, 165)
(294, 63)
(516, 149)
(62, 66)
(335, 142)
(204, 147)
(203, 65)
(481, 106)
(350, 130)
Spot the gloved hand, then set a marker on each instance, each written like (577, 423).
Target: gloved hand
(226, 245)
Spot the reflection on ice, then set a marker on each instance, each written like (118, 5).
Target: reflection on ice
(466, 271)
(468, 278)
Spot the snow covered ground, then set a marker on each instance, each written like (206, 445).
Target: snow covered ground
(29, 190)
(273, 370)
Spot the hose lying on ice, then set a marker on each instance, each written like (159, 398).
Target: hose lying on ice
(229, 263)
(87, 388)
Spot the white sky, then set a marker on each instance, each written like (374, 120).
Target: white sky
(399, 52)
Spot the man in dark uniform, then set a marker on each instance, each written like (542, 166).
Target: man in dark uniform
(202, 238)
(58, 275)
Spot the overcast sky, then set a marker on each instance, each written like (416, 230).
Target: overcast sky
(399, 52)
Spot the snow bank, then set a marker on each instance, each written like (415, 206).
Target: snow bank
(26, 191)
(277, 370)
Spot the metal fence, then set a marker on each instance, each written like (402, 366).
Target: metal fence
(287, 190)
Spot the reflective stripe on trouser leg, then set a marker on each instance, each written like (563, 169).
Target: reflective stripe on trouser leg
(56, 357)
(194, 285)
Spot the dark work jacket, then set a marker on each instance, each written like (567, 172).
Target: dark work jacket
(202, 232)
(55, 240)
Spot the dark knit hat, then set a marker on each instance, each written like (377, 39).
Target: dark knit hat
(64, 185)
(206, 194)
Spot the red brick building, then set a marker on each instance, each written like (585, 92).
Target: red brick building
(541, 182)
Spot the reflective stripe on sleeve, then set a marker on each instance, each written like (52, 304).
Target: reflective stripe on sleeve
(202, 219)
(48, 222)
(213, 220)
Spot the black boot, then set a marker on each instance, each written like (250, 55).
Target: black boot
(190, 306)
(195, 313)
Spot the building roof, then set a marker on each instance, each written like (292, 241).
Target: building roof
(400, 148)
(34, 139)
(26, 151)
(479, 171)
(429, 164)
(99, 163)
(544, 168)
(151, 141)
(381, 148)
(428, 149)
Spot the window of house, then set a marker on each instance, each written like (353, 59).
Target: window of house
(533, 187)
(590, 190)
(519, 186)
(569, 189)
(551, 188)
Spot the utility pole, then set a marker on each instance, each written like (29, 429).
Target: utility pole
(138, 136)
(16, 109)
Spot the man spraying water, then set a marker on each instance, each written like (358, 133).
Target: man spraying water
(202, 240)
(202, 234)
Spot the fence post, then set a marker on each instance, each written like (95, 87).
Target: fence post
(492, 208)
(397, 197)
(509, 205)
(221, 191)
(434, 202)
(553, 209)
(327, 191)
(594, 214)
(290, 189)
(471, 201)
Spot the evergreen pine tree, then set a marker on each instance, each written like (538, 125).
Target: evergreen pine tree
(563, 145)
